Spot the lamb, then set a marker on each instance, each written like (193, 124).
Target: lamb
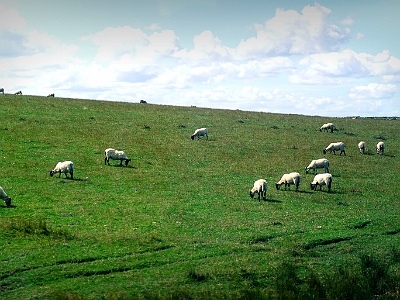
(288, 179)
(4, 196)
(318, 164)
(328, 126)
(18, 93)
(380, 148)
(200, 132)
(335, 147)
(260, 187)
(64, 167)
(362, 147)
(116, 155)
(322, 179)
(50, 95)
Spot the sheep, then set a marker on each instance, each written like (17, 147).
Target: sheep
(335, 147)
(50, 95)
(64, 167)
(362, 147)
(200, 132)
(143, 102)
(260, 187)
(380, 148)
(4, 196)
(288, 179)
(328, 126)
(318, 164)
(322, 179)
(18, 93)
(2, 91)
(116, 155)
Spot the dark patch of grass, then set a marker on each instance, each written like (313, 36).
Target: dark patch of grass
(362, 225)
(197, 276)
(322, 242)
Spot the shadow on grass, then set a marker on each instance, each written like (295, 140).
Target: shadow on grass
(119, 166)
(272, 200)
(11, 206)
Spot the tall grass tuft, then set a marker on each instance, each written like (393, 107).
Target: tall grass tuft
(29, 226)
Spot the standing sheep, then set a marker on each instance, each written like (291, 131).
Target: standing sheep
(380, 148)
(2, 91)
(4, 196)
(322, 179)
(288, 179)
(328, 126)
(200, 132)
(64, 167)
(335, 147)
(318, 164)
(260, 187)
(362, 147)
(116, 155)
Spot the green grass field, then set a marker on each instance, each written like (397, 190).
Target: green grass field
(178, 222)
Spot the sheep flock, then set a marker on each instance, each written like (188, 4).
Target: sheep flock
(260, 186)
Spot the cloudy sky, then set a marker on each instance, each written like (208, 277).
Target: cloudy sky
(330, 58)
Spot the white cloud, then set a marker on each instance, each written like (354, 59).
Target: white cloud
(337, 67)
(347, 21)
(291, 33)
(373, 91)
(154, 27)
(359, 35)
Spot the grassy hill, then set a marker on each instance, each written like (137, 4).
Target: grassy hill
(178, 222)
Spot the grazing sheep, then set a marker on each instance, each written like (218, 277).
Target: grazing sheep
(335, 147)
(260, 187)
(380, 148)
(318, 164)
(322, 179)
(63, 167)
(288, 179)
(143, 102)
(362, 147)
(50, 95)
(4, 196)
(18, 93)
(328, 126)
(2, 90)
(116, 155)
(200, 132)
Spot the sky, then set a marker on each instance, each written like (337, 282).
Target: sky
(327, 58)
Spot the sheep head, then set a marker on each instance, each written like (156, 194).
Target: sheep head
(8, 201)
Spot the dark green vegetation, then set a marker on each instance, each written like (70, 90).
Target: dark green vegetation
(178, 222)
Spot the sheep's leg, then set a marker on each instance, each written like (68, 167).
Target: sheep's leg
(120, 162)
(72, 174)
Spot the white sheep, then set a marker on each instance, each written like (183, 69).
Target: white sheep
(4, 196)
(322, 179)
(380, 148)
(200, 132)
(260, 187)
(64, 167)
(288, 179)
(335, 147)
(328, 126)
(318, 164)
(362, 147)
(116, 155)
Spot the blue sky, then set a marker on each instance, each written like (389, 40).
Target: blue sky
(329, 58)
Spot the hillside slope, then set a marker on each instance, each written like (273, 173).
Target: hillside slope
(179, 217)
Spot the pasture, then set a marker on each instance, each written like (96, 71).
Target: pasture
(178, 222)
